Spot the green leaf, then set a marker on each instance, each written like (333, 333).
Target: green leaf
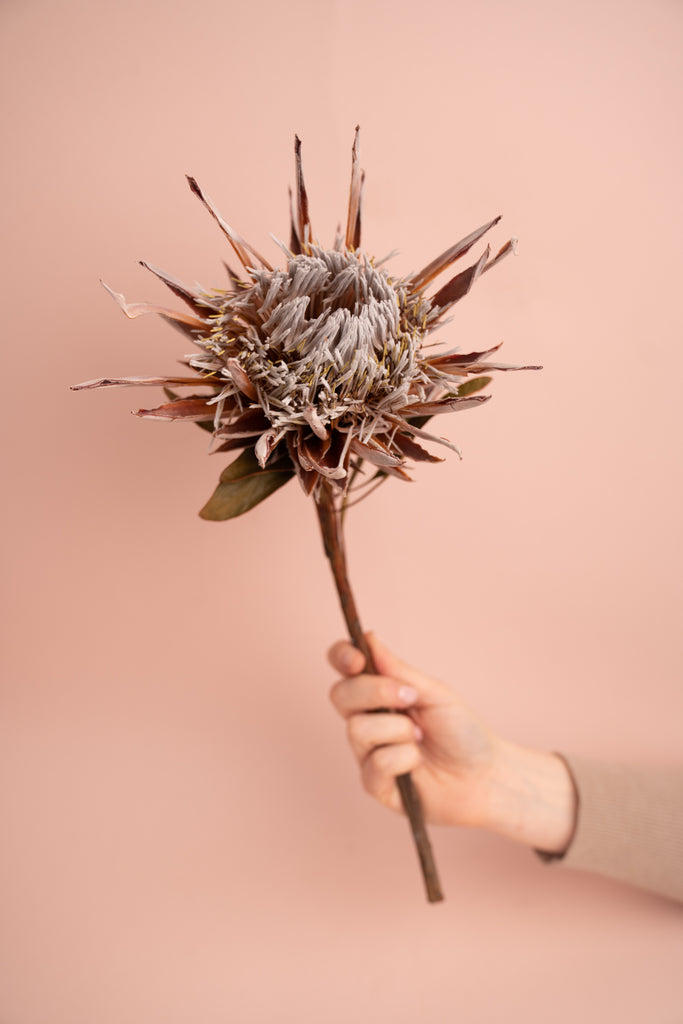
(204, 424)
(471, 386)
(244, 484)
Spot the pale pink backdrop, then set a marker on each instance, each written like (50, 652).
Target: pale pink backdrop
(183, 836)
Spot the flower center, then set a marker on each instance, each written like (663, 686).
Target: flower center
(330, 331)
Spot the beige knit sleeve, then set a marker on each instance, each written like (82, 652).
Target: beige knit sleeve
(629, 825)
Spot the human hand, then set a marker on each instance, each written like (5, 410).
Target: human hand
(464, 772)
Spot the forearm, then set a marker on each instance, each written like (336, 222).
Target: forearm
(532, 798)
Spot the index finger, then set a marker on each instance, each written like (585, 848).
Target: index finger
(356, 694)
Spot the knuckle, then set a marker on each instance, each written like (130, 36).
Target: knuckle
(379, 786)
(386, 692)
(390, 761)
(368, 777)
(341, 696)
(356, 728)
(335, 694)
(405, 729)
(381, 761)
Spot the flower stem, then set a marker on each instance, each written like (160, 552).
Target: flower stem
(331, 529)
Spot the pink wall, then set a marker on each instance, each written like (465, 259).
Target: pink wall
(183, 836)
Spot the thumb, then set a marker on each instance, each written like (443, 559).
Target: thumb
(429, 691)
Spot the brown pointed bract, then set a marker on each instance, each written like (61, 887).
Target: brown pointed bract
(304, 223)
(353, 217)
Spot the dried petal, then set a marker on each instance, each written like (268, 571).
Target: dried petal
(245, 253)
(375, 453)
(353, 218)
(129, 382)
(461, 358)
(189, 324)
(315, 423)
(434, 268)
(233, 443)
(412, 450)
(198, 302)
(321, 457)
(510, 248)
(253, 421)
(400, 472)
(459, 285)
(478, 367)
(266, 445)
(236, 371)
(184, 409)
(446, 405)
(307, 478)
(304, 223)
(235, 281)
(418, 431)
(294, 240)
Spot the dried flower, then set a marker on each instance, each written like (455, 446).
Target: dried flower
(316, 369)
(322, 365)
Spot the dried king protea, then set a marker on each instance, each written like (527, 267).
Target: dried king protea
(319, 369)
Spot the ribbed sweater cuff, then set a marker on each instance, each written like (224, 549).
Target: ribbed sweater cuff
(629, 825)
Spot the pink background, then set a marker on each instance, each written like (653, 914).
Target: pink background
(183, 836)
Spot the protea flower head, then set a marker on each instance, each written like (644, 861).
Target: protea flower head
(321, 365)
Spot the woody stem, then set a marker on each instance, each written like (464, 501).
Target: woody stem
(331, 529)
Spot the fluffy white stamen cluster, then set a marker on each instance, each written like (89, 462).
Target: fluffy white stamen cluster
(329, 339)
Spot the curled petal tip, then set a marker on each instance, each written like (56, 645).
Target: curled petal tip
(116, 296)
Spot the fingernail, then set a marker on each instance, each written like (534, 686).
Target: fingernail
(407, 695)
(419, 735)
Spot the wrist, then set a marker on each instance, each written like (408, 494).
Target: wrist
(532, 799)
